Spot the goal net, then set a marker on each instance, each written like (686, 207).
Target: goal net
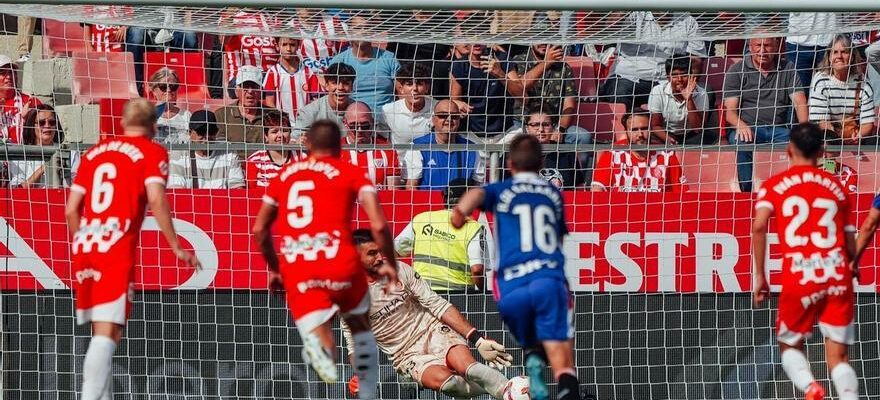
(659, 127)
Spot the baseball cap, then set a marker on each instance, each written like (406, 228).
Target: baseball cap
(5, 60)
(204, 122)
(249, 73)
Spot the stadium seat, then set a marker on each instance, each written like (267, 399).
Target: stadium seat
(767, 164)
(190, 67)
(111, 116)
(603, 120)
(710, 171)
(715, 69)
(584, 74)
(866, 165)
(103, 76)
(61, 39)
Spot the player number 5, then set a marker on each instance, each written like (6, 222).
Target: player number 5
(300, 207)
(102, 190)
(536, 227)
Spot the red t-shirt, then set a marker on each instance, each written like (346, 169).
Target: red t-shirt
(12, 116)
(103, 38)
(379, 165)
(625, 171)
(812, 211)
(250, 49)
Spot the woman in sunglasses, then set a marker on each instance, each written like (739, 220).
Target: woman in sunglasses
(173, 123)
(41, 128)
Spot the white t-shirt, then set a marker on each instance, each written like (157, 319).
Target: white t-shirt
(405, 125)
(174, 130)
(808, 21)
(663, 102)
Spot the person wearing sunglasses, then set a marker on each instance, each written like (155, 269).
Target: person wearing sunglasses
(433, 167)
(381, 165)
(41, 128)
(204, 169)
(173, 122)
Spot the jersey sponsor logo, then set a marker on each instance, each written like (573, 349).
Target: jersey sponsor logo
(809, 267)
(316, 63)
(429, 230)
(309, 246)
(528, 267)
(88, 273)
(327, 284)
(393, 304)
(257, 41)
(95, 233)
(816, 297)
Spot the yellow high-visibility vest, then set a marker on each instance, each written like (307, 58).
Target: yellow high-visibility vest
(440, 253)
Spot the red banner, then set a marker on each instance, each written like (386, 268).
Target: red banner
(691, 242)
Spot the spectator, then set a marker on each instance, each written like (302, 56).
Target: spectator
(561, 168)
(250, 48)
(104, 38)
(381, 166)
(138, 39)
(204, 169)
(760, 94)
(289, 86)
(15, 104)
(264, 165)
(481, 78)
(241, 121)
(638, 170)
(41, 128)
(639, 65)
(806, 51)
(678, 105)
(436, 55)
(173, 122)
(546, 77)
(375, 69)
(337, 81)
(316, 52)
(409, 116)
(841, 99)
(433, 168)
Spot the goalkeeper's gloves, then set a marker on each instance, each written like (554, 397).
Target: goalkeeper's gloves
(493, 353)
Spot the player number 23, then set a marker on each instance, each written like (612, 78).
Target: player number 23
(300, 207)
(537, 227)
(798, 208)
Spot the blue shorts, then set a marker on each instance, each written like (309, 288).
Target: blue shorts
(538, 311)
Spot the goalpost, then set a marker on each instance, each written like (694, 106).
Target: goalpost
(661, 281)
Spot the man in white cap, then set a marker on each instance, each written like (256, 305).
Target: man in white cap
(242, 121)
(15, 104)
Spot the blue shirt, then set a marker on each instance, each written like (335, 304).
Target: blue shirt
(876, 203)
(374, 83)
(492, 113)
(529, 227)
(440, 166)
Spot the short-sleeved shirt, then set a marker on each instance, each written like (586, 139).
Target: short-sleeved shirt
(12, 116)
(492, 107)
(625, 171)
(674, 112)
(292, 89)
(235, 128)
(374, 83)
(553, 87)
(435, 167)
(113, 176)
(832, 100)
(102, 38)
(316, 200)
(378, 164)
(763, 101)
(315, 50)
(250, 48)
(812, 212)
(317, 109)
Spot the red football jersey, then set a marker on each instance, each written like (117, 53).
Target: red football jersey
(812, 212)
(103, 38)
(12, 116)
(113, 176)
(625, 171)
(378, 164)
(250, 49)
(316, 200)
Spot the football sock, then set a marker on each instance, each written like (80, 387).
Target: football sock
(366, 363)
(491, 380)
(569, 387)
(96, 367)
(797, 368)
(458, 387)
(845, 381)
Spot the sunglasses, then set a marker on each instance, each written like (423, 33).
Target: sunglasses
(363, 126)
(454, 117)
(166, 87)
(47, 122)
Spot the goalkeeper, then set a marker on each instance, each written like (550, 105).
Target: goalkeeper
(425, 336)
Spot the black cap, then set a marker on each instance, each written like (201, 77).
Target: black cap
(204, 122)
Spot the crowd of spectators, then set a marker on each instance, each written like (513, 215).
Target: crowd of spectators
(434, 95)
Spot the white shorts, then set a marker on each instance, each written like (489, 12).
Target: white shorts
(115, 311)
(428, 351)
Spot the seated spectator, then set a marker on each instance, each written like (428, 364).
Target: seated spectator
(639, 64)
(841, 99)
(637, 170)
(41, 128)
(546, 77)
(337, 80)
(761, 93)
(250, 48)
(678, 105)
(375, 70)
(433, 168)
(289, 85)
(204, 169)
(15, 104)
(317, 52)
(409, 116)
(561, 168)
(173, 123)
(381, 166)
(264, 165)
(481, 78)
(138, 40)
(241, 121)
(436, 55)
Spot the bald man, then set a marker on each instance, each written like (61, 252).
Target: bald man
(432, 168)
(381, 166)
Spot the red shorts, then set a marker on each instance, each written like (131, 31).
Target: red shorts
(831, 304)
(316, 291)
(102, 285)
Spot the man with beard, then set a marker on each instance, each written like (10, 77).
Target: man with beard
(678, 105)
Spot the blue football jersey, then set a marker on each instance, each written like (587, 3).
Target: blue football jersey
(876, 203)
(529, 227)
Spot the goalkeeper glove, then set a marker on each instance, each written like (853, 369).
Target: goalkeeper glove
(493, 353)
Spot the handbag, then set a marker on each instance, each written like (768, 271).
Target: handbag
(849, 125)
